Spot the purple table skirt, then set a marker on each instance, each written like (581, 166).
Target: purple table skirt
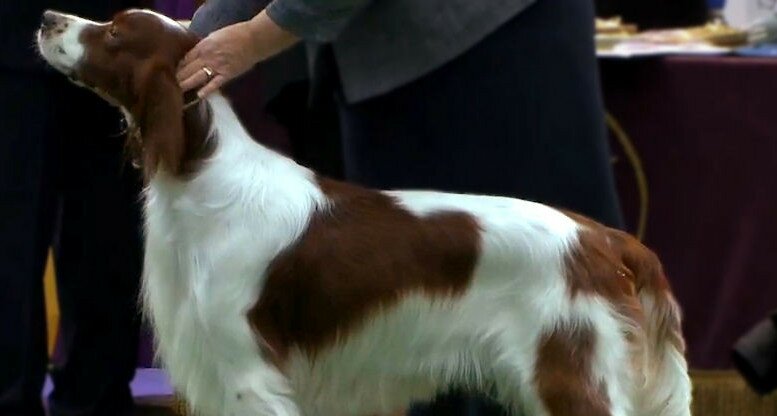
(706, 130)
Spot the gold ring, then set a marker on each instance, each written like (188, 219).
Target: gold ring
(208, 72)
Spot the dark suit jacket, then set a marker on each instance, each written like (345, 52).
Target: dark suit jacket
(19, 19)
(378, 45)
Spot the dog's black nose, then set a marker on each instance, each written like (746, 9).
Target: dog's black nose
(49, 20)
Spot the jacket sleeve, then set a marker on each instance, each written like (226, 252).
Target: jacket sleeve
(215, 14)
(314, 20)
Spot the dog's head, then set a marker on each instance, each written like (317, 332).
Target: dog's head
(131, 62)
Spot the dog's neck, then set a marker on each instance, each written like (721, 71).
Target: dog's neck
(198, 131)
(198, 128)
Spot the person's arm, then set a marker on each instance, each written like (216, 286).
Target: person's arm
(216, 14)
(233, 49)
(230, 51)
(314, 20)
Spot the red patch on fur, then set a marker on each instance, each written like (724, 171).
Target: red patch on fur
(564, 377)
(364, 253)
(613, 264)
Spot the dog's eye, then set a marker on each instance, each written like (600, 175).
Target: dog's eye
(112, 32)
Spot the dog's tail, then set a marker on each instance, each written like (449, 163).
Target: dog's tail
(667, 387)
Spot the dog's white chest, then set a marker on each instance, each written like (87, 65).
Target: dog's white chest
(204, 269)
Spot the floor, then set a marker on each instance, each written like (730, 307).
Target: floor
(152, 392)
(154, 411)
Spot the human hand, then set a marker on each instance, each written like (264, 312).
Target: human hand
(231, 51)
(221, 56)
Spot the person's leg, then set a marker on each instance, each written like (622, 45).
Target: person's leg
(26, 218)
(98, 254)
(518, 115)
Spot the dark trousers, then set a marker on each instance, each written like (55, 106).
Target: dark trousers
(64, 183)
(520, 114)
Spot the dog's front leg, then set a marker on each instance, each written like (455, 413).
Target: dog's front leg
(260, 390)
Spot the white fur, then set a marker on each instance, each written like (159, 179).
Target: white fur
(210, 239)
(63, 51)
(668, 386)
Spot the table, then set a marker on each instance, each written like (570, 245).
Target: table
(706, 131)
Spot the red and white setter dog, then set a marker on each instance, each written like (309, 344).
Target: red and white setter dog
(274, 291)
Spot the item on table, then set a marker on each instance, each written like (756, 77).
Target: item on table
(715, 33)
(764, 29)
(610, 32)
(614, 26)
(742, 13)
(759, 51)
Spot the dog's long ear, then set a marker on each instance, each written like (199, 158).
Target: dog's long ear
(160, 119)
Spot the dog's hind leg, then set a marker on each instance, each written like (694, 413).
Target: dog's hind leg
(576, 371)
(580, 370)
